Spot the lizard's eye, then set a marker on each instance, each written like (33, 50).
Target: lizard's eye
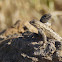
(44, 16)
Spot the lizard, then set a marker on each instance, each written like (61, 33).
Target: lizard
(44, 29)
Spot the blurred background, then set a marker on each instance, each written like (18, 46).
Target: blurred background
(26, 10)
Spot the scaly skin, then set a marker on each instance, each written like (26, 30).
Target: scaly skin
(48, 32)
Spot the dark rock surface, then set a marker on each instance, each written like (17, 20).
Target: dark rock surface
(28, 47)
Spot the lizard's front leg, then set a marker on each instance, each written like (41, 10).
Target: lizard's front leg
(41, 33)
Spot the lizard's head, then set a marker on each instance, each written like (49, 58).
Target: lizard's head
(45, 18)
